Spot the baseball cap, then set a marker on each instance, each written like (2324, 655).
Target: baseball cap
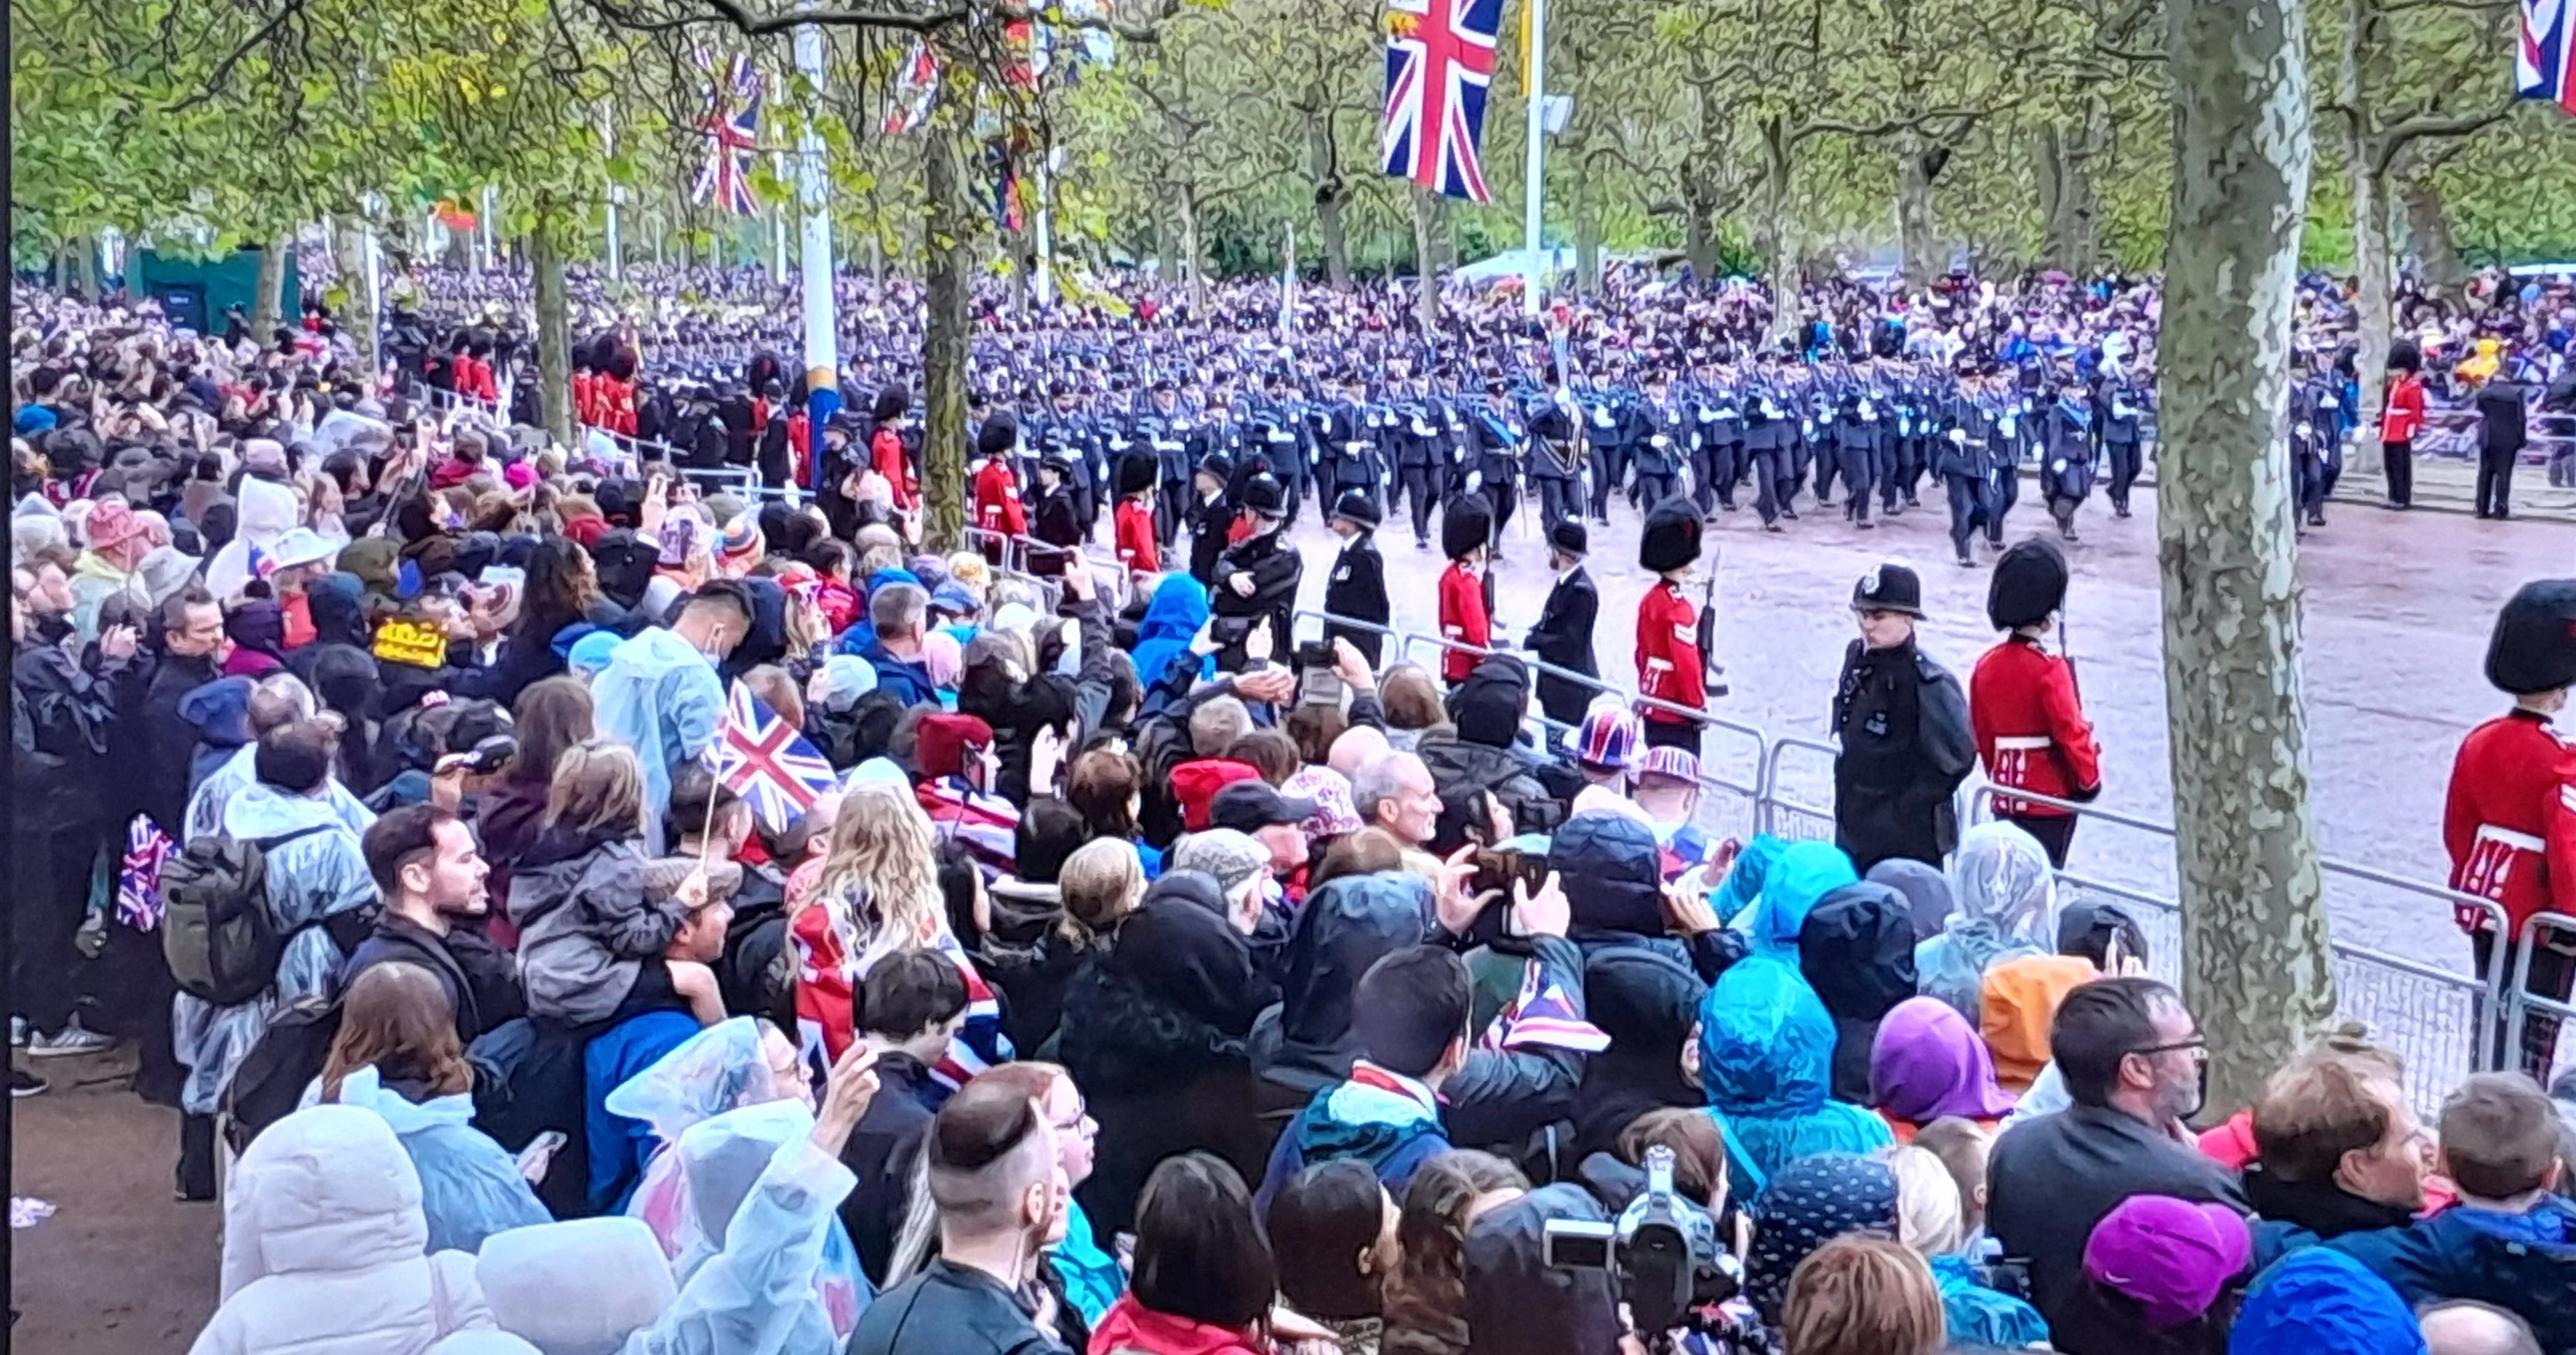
(2174, 1257)
(1678, 763)
(1608, 736)
(1249, 805)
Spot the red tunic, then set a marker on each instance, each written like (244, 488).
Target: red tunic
(585, 398)
(2030, 727)
(997, 500)
(1462, 620)
(1137, 549)
(887, 451)
(1669, 665)
(2506, 806)
(617, 405)
(2404, 416)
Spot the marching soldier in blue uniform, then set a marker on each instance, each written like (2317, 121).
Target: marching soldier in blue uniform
(2066, 462)
(1556, 466)
(2118, 409)
(1659, 443)
(1605, 433)
(1717, 460)
(1420, 433)
(1964, 459)
(1282, 429)
(1497, 437)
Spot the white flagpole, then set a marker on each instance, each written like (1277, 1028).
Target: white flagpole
(1534, 276)
(608, 147)
(814, 239)
(1288, 285)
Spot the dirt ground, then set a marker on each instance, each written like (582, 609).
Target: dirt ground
(2397, 612)
(121, 1268)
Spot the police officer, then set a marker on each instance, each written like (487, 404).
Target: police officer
(1356, 589)
(1563, 636)
(1256, 578)
(1903, 726)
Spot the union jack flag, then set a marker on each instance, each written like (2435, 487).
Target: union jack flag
(916, 83)
(1439, 63)
(138, 876)
(2544, 65)
(732, 129)
(1543, 1016)
(762, 758)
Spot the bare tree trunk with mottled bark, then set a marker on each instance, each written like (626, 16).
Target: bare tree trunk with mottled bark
(2257, 959)
(947, 230)
(554, 334)
(268, 302)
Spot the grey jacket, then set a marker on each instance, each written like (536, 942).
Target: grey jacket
(585, 925)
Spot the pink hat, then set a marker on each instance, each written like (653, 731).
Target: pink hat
(111, 524)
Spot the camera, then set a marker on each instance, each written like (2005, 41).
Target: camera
(1317, 683)
(1662, 1254)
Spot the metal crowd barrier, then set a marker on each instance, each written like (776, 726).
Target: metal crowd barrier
(1804, 813)
(2525, 1004)
(2439, 1021)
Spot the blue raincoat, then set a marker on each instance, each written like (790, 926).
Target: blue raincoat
(660, 697)
(1766, 1066)
(1804, 874)
(470, 1188)
(2322, 1302)
(308, 879)
(1178, 609)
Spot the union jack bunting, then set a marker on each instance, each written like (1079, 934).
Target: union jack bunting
(138, 876)
(2544, 63)
(1543, 1016)
(762, 758)
(732, 129)
(1439, 63)
(916, 83)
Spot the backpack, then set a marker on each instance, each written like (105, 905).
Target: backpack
(219, 935)
(289, 1054)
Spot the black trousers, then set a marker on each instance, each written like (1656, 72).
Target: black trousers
(2399, 459)
(1609, 467)
(1653, 487)
(2125, 465)
(1968, 509)
(1859, 466)
(1828, 462)
(1558, 501)
(1503, 494)
(1167, 513)
(1770, 487)
(1713, 477)
(2003, 490)
(1663, 733)
(2553, 973)
(2056, 832)
(1420, 484)
(2495, 482)
(50, 878)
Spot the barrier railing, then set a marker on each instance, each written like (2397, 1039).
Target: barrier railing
(2523, 1004)
(2441, 1022)
(1798, 814)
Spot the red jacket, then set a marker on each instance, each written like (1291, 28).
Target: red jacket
(2506, 807)
(1462, 620)
(1669, 664)
(474, 377)
(1137, 549)
(1130, 1326)
(997, 500)
(585, 398)
(2404, 416)
(616, 405)
(886, 448)
(2030, 727)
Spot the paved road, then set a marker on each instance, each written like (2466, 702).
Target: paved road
(2397, 612)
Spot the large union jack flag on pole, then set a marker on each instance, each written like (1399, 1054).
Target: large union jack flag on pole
(762, 758)
(2544, 65)
(1439, 63)
(732, 129)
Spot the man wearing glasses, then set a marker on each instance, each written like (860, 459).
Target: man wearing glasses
(2133, 1063)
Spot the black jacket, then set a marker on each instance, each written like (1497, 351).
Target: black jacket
(949, 1309)
(1906, 746)
(481, 979)
(164, 742)
(2500, 414)
(1563, 638)
(2051, 1179)
(881, 1151)
(1357, 589)
(1276, 571)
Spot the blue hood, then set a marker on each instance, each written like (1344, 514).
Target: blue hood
(1766, 1051)
(219, 712)
(1613, 873)
(2322, 1302)
(1179, 607)
(1802, 876)
(1743, 882)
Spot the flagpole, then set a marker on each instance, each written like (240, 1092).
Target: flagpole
(608, 148)
(822, 332)
(1046, 243)
(1533, 277)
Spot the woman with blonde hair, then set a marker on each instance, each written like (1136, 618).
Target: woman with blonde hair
(1101, 883)
(873, 892)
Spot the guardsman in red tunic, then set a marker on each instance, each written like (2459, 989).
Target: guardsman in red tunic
(2508, 806)
(1465, 526)
(997, 491)
(585, 392)
(1133, 525)
(885, 448)
(2022, 703)
(1670, 666)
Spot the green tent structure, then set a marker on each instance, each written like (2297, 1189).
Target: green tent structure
(194, 292)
